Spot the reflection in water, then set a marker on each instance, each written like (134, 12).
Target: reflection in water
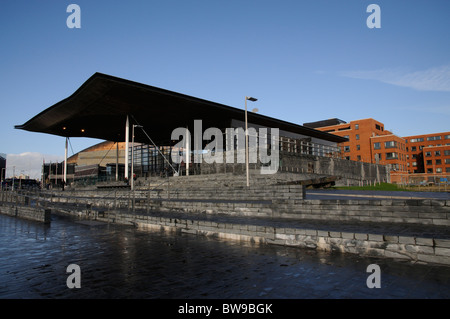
(123, 262)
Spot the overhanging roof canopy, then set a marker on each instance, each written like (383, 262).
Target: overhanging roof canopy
(98, 109)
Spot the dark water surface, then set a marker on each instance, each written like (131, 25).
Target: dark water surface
(123, 262)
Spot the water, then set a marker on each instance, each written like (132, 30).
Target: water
(123, 262)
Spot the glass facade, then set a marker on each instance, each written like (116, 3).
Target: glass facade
(150, 161)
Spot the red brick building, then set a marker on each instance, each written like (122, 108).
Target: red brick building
(429, 153)
(413, 159)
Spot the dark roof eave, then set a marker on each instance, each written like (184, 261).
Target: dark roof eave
(99, 94)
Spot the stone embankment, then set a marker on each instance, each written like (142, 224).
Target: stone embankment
(13, 204)
(404, 246)
(282, 202)
(409, 229)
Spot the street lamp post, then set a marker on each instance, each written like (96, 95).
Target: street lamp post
(246, 137)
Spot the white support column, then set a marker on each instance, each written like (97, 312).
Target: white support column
(132, 158)
(127, 138)
(188, 150)
(246, 144)
(65, 162)
(117, 161)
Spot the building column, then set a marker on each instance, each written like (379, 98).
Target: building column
(127, 137)
(117, 161)
(188, 150)
(65, 162)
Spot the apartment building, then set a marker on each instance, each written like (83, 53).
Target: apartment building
(429, 153)
(369, 142)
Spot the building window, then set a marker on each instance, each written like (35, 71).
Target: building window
(391, 155)
(415, 140)
(390, 144)
(357, 136)
(356, 126)
(377, 127)
(438, 170)
(346, 136)
(376, 146)
(437, 153)
(413, 148)
(347, 157)
(433, 138)
(447, 152)
(429, 162)
(429, 170)
(438, 162)
(427, 154)
(447, 169)
(359, 157)
(447, 137)
(358, 147)
(414, 164)
(447, 161)
(346, 148)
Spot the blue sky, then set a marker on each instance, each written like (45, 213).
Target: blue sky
(303, 60)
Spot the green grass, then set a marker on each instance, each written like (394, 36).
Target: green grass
(378, 187)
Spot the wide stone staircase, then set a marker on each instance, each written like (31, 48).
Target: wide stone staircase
(222, 187)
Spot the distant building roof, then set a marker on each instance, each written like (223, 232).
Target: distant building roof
(323, 123)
